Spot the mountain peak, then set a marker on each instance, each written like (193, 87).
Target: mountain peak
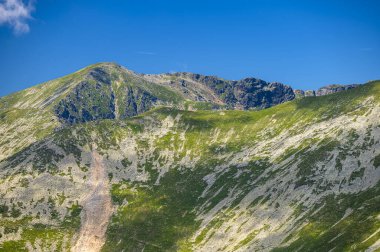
(104, 65)
(107, 67)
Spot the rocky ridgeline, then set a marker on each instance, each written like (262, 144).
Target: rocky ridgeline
(247, 93)
(109, 91)
(326, 90)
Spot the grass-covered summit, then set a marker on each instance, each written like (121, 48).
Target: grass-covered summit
(300, 176)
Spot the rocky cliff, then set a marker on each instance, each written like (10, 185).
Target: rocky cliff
(248, 93)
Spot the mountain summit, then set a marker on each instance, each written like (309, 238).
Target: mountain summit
(106, 159)
(109, 91)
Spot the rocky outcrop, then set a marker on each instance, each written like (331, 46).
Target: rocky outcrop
(254, 93)
(330, 89)
(309, 93)
(248, 93)
(89, 101)
(95, 98)
(137, 101)
(299, 93)
(326, 90)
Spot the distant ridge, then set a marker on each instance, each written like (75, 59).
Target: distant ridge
(326, 90)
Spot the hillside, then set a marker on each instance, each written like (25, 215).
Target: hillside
(110, 91)
(140, 170)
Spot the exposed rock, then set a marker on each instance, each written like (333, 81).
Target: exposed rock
(108, 91)
(248, 93)
(89, 101)
(330, 89)
(309, 93)
(299, 93)
(106, 88)
(326, 90)
(137, 101)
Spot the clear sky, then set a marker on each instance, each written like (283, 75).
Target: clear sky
(304, 43)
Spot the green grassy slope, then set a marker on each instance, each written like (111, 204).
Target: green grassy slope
(92, 93)
(163, 216)
(302, 175)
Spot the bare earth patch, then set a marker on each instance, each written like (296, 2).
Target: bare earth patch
(97, 209)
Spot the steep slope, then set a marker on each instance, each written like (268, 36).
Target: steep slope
(303, 175)
(248, 93)
(109, 91)
(99, 91)
(97, 208)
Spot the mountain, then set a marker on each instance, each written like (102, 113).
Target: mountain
(109, 91)
(107, 159)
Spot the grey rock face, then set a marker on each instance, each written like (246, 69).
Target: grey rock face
(89, 101)
(137, 101)
(94, 99)
(309, 93)
(248, 93)
(299, 93)
(326, 90)
(330, 89)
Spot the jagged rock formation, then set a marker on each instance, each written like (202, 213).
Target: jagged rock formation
(245, 94)
(330, 89)
(108, 91)
(299, 93)
(300, 176)
(326, 90)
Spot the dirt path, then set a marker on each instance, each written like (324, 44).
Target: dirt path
(97, 209)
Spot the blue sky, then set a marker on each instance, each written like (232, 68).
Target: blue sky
(304, 43)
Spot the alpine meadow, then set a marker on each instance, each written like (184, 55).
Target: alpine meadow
(190, 126)
(108, 159)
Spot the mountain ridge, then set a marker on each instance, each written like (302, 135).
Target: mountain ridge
(212, 91)
(301, 175)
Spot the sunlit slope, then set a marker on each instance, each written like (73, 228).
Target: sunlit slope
(109, 91)
(303, 175)
(100, 91)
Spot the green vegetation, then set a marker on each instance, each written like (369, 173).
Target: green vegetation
(47, 234)
(345, 222)
(311, 158)
(376, 161)
(157, 218)
(181, 166)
